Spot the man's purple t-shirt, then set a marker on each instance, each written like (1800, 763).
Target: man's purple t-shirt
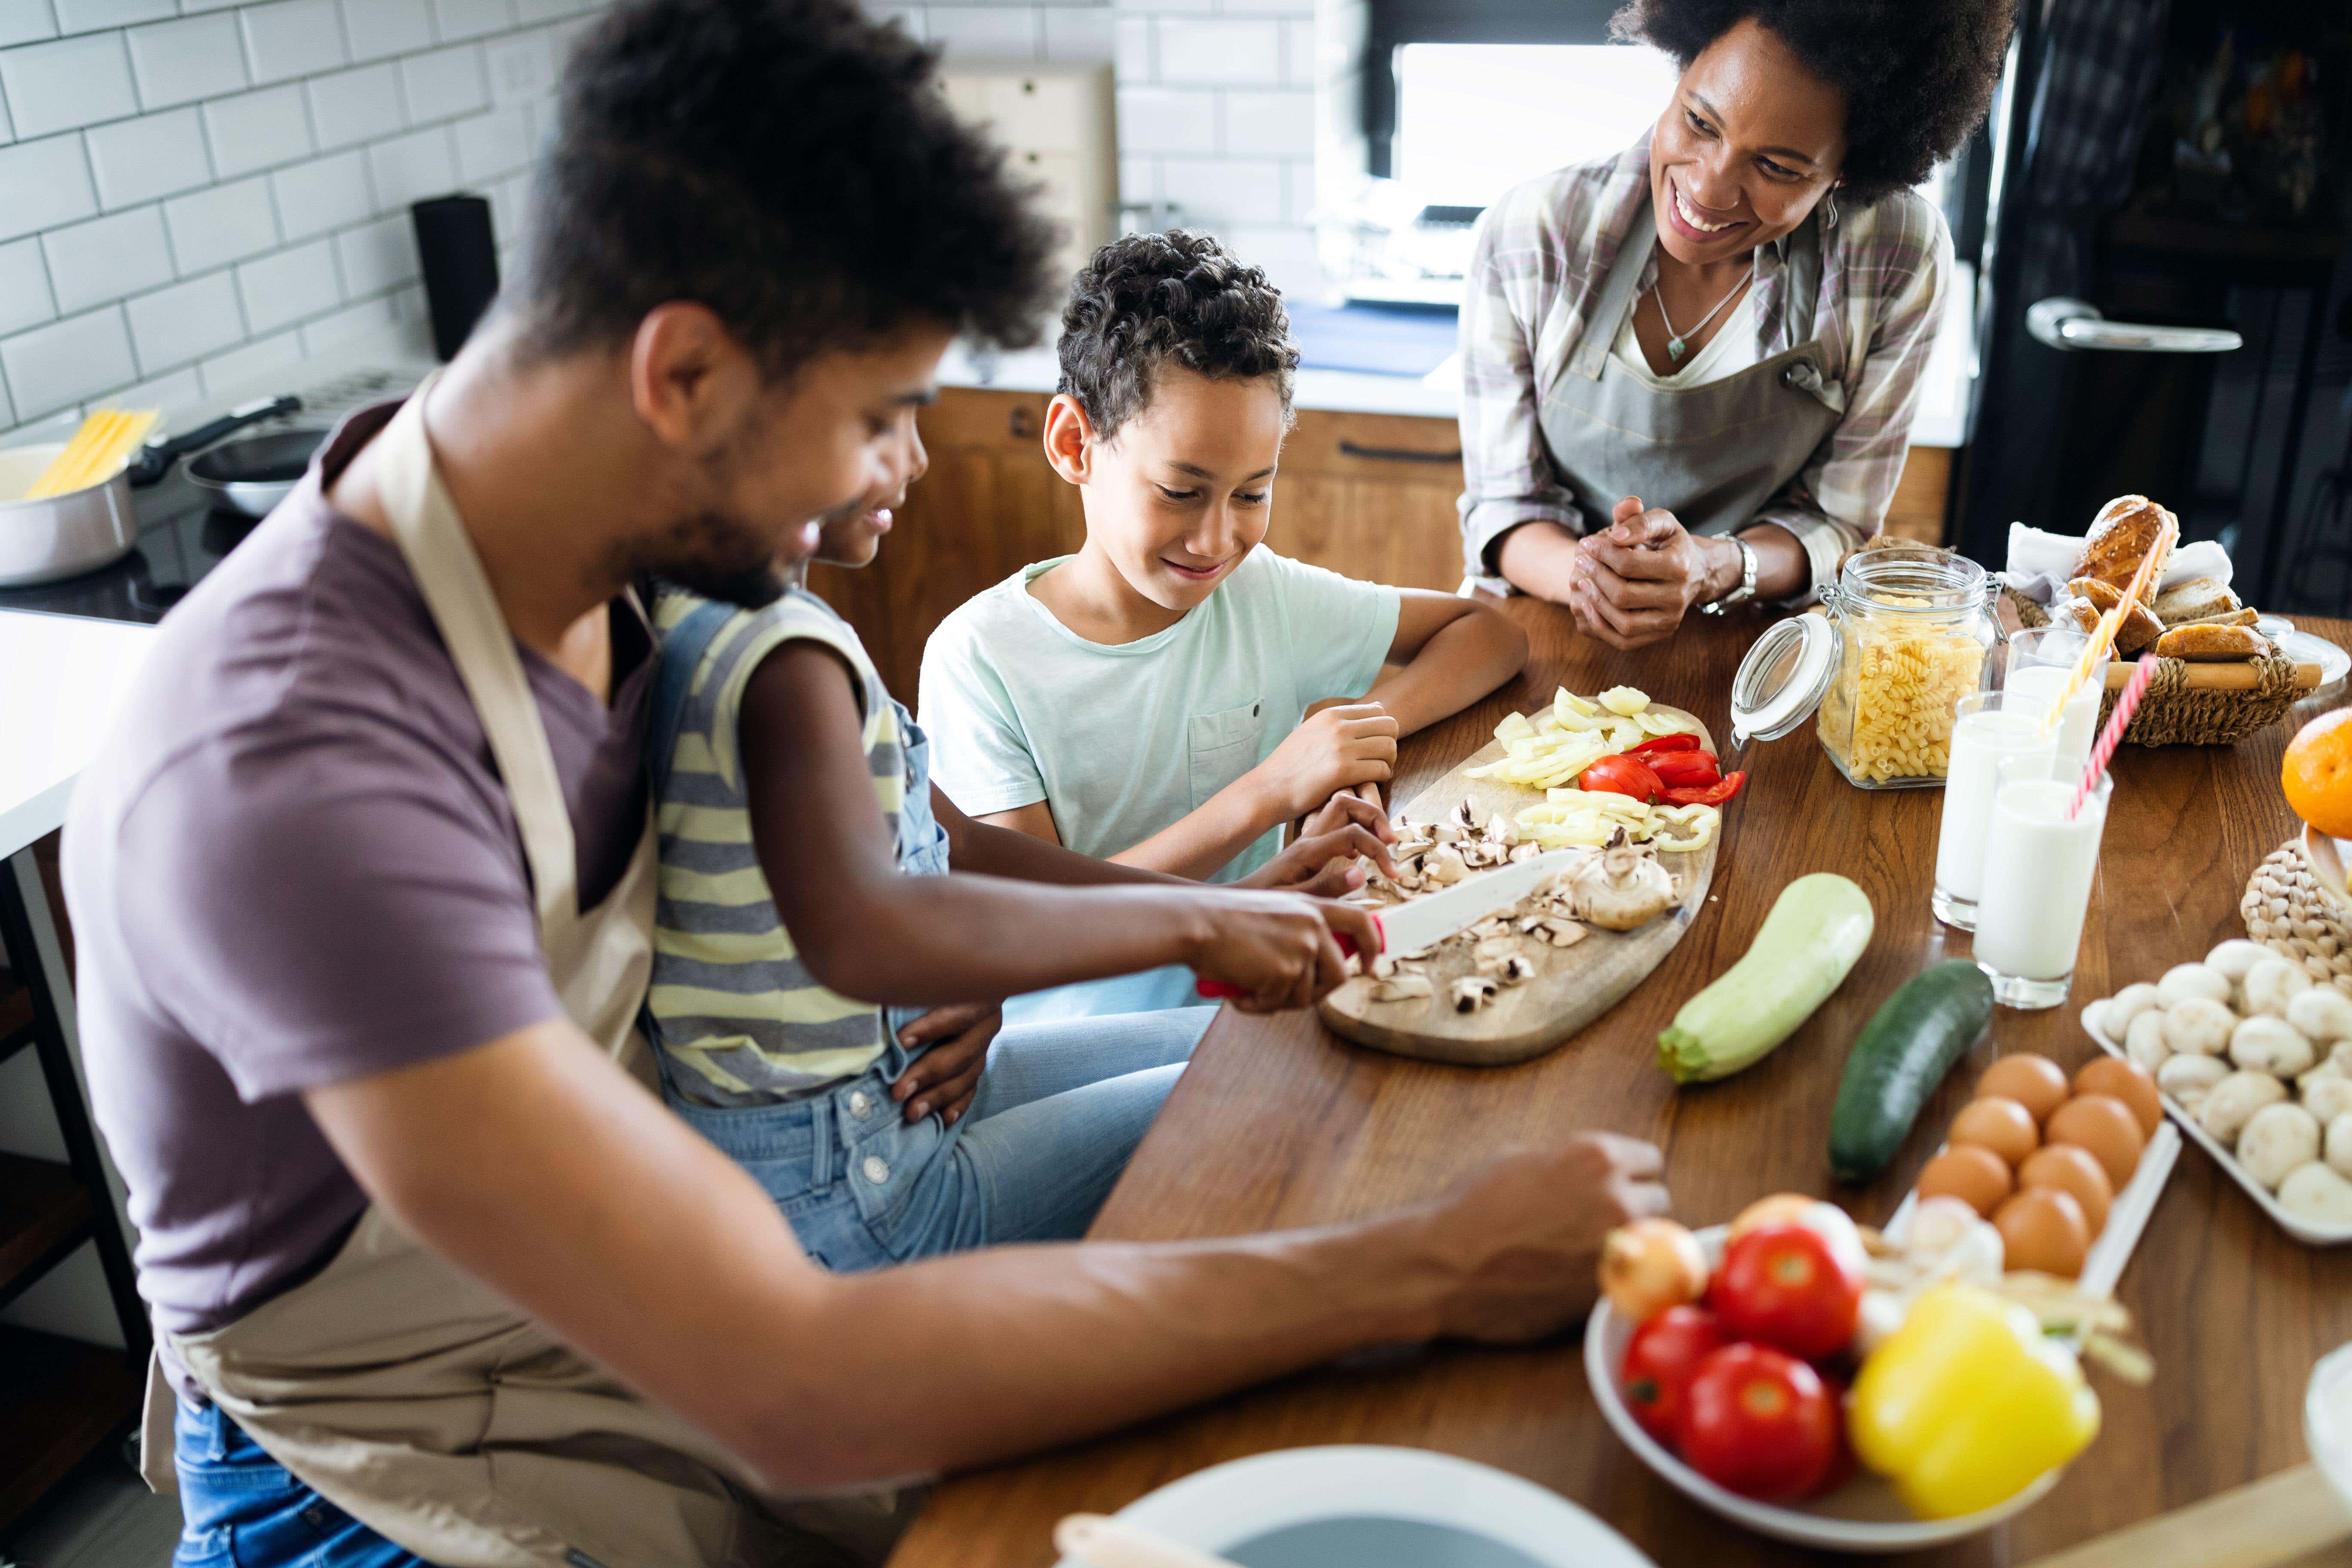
(295, 865)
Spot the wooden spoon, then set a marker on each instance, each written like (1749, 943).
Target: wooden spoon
(1102, 1542)
(2325, 864)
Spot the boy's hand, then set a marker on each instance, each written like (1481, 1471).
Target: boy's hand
(1278, 947)
(1336, 749)
(945, 1077)
(1321, 861)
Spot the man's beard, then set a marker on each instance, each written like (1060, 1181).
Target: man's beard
(719, 558)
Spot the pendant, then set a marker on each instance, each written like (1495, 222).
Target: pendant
(1675, 347)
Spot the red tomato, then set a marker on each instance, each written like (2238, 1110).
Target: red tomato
(1761, 1423)
(1680, 742)
(1659, 1361)
(1785, 1285)
(1685, 770)
(1711, 794)
(1623, 775)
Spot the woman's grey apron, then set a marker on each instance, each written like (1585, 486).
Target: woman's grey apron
(405, 1390)
(1711, 454)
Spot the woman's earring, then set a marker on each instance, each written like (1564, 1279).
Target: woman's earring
(1829, 207)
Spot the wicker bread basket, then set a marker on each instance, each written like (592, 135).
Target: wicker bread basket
(2170, 714)
(2288, 912)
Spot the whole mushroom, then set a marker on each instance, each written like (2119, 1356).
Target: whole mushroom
(2273, 983)
(2338, 1147)
(2184, 980)
(2266, 1044)
(2277, 1140)
(2323, 1013)
(2235, 957)
(2231, 1103)
(2126, 1006)
(2326, 1093)
(2189, 1078)
(2144, 1041)
(2316, 1193)
(2198, 1025)
(1622, 888)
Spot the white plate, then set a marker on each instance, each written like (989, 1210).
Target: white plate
(1228, 1506)
(1864, 1515)
(2303, 1230)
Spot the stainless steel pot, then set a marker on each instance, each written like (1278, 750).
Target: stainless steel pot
(59, 536)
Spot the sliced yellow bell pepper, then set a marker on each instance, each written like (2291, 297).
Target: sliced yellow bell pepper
(1967, 1403)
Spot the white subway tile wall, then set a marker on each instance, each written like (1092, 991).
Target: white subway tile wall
(195, 194)
(1216, 105)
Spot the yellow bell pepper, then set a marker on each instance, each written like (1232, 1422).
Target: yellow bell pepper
(1966, 1404)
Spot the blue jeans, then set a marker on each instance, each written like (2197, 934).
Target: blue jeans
(1059, 1108)
(244, 1509)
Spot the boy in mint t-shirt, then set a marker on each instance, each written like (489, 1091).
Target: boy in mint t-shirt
(1174, 692)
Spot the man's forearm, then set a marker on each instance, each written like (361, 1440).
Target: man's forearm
(1052, 1343)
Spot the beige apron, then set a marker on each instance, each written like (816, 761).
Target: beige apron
(401, 1388)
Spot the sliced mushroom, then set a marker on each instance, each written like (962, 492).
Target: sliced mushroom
(1465, 816)
(1501, 830)
(1517, 969)
(1445, 865)
(1401, 988)
(1525, 852)
(1472, 992)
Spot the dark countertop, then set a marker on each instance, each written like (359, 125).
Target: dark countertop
(182, 536)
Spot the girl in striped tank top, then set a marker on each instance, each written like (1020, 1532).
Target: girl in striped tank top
(795, 816)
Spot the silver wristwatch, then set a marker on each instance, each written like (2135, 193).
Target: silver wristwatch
(1747, 589)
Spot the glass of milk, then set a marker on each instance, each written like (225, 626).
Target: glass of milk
(2041, 662)
(2037, 870)
(1987, 726)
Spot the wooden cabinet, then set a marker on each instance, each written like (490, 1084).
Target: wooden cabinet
(1369, 495)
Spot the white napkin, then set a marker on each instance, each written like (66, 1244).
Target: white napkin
(2034, 554)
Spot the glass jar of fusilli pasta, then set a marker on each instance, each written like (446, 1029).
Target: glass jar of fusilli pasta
(1913, 625)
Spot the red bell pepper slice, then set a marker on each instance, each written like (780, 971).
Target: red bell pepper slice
(1681, 742)
(1622, 774)
(1685, 770)
(1711, 794)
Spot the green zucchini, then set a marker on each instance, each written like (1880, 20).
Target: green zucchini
(1817, 927)
(1897, 1060)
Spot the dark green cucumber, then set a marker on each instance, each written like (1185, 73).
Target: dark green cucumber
(1897, 1060)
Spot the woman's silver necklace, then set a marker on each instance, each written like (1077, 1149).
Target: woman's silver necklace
(1678, 343)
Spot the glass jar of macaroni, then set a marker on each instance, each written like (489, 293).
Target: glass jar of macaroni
(1913, 626)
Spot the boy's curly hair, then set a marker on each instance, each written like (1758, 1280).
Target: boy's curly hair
(788, 163)
(1917, 75)
(1178, 298)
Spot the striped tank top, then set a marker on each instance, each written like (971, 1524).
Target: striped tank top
(740, 1020)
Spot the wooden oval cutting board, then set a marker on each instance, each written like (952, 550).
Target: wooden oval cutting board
(1572, 985)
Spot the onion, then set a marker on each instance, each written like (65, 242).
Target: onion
(1650, 1266)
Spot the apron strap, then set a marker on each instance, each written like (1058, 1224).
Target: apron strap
(1618, 296)
(448, 571)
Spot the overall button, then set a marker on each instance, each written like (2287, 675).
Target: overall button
(860, 1103)
(877, 1169)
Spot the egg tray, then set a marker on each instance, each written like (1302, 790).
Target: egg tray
(2309, 1232)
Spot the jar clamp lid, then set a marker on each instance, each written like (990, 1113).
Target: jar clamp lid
(1784, 678)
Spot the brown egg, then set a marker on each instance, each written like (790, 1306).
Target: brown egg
(2035, 1082)
(2106, 1127)
(1977, 1177)
(2126, 1081)
(2065, 1168)
(2043, 1228)
(2002, 1126)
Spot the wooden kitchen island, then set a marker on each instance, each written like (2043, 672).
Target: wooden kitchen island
(1279, 1124)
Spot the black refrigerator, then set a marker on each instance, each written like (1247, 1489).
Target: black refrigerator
(2160, 213)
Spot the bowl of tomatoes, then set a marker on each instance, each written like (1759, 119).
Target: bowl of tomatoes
(1734, 1393)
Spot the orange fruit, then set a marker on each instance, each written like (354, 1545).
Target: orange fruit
(2318, 773)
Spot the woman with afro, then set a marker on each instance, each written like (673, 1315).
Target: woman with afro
(1689, 369)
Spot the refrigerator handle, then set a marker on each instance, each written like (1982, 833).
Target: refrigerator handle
(2063, 323)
